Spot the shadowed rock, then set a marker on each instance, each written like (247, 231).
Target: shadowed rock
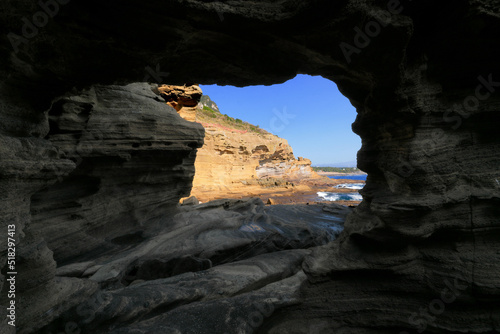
(424, 77)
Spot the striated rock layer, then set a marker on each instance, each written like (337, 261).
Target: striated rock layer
(233, 161)
(125, 160)
(184, 99)
(133, 159)
(229, 160)
(422, 251)
(213, 261)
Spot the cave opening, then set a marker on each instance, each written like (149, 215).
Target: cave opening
(309, 111)
(271, 141)
(425, 238)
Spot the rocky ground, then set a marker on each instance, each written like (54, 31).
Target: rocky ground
(279, 191)
(219, 266)
(421, 253)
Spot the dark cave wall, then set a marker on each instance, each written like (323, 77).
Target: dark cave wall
(426, 91)
(135, 159)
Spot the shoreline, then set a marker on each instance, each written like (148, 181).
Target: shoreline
(339, 174)
(302, 192)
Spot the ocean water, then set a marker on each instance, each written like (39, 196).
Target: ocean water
(361, 177)
(354, 196)
(354, 186)
(333, 197)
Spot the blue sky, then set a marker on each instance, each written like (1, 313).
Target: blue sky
(308, 111)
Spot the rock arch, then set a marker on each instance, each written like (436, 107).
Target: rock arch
(424, 78)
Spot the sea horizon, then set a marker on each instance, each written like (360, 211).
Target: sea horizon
(360, 177)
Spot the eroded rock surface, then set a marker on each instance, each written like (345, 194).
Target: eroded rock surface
(134, 158)
(231, 162)
(219, 259)
(234, 162)
(121, 159)
(184, 99)
(423, 75)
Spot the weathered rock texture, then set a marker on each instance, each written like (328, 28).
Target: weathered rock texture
(424, 77)
(229, 157)
(125, 160)
(133, 160)
(232, 161)
(183, 98)
(210, 257)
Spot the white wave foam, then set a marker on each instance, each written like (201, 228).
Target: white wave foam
(357, 197)
(333, 197)
(354, 186)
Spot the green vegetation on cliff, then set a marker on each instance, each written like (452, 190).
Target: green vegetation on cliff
(208, 112)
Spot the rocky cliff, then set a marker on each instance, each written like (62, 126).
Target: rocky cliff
(421, 253)
(230, 160)
(133, 157)
(184, 99)
(237, 158)
(120, 159)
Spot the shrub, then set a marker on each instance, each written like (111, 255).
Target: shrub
(209, 110)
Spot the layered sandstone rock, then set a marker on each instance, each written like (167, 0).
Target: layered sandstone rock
(125, 158)
(133, 158)
(231, 161)
(235, 160)
(184, 99)
(420, 253)
(229, 156)
(214, 255)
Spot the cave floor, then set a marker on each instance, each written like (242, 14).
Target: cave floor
(218, 261)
